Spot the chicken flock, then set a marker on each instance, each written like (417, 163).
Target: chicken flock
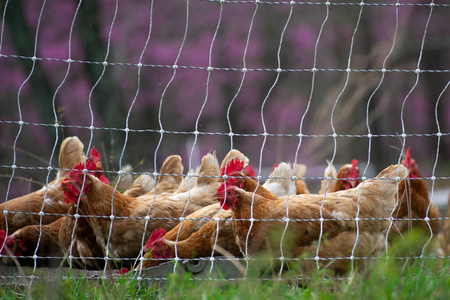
(82, 220)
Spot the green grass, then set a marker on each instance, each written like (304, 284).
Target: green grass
(384, 278)
(387, 279)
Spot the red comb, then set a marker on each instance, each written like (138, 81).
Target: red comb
(2, 237)
(354, 163)
(408, 157)
(156, 234)
(2, 241)
(92, 165)
(71, 192)
(94, 155)
(122, 271)
(249, 171)
(410, 163)
(103, 179)
(274, 167)
(233, 165)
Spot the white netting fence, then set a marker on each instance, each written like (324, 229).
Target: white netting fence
(313, 83)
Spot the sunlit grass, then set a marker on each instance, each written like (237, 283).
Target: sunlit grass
(389, 279)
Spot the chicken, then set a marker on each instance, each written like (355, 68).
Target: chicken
(249, 171)
(141, 185)
(78, 242)
(201, 243)
(196, 220)
(335, 253)
(123, 181)
(24, 210)
(199, 195)
(47, 240)
(300, 184)
(414, 202)
(85, 244)
(444, 237)
(121, 236)
(328, 181)
(254, 210)
(188, 182)
(35, 239)
(167, 181)
(76, 238)
(189, 235)
(8, 248)
(412, 211)
(197, 236)
(58, 234)
(280, 181)
(346, 178)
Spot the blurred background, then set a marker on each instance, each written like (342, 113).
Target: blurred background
(196, 34)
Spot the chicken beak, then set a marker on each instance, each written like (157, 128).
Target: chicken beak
(354, 183)
(350, 184)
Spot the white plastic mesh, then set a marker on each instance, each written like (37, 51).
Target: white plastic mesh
(255, 26)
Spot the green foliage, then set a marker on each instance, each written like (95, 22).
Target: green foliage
(397, 275)
(389, 278)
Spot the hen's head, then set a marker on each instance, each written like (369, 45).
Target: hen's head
(227, 196)
(349, 174)
(157, 244)
(77, 183)
(17, 247)
(224, 194)
(410, 163)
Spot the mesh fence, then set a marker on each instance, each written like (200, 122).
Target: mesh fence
(156, 86)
